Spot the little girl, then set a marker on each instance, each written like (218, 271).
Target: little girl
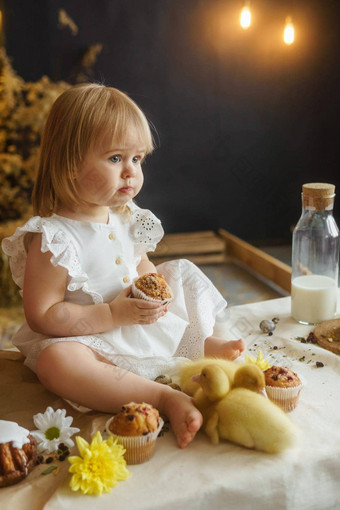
(85, 337)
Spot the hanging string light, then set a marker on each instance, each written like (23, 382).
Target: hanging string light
(289, 32)
(245, 19)
(1, 31)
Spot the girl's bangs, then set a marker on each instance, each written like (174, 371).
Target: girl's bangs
(116, 129)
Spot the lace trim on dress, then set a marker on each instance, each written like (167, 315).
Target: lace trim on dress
(57, 242)
(146, 230)
(149, 367)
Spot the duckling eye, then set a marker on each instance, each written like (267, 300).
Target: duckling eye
(204, 374)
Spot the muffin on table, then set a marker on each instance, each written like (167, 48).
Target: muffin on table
(136, 426)
(283, 386)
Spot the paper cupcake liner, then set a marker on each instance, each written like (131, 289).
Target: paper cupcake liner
(139, 294)
(138, 448)
(286, 398)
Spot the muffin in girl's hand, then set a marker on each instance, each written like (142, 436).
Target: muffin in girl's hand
(283, 387)
(136, 426)
(152, 287)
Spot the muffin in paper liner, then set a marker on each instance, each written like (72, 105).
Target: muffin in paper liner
(283, 386)
(139, 449)
(286, 398)
(138, 293)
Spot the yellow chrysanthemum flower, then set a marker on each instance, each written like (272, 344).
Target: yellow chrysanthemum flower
(100, 466)
(259, 361)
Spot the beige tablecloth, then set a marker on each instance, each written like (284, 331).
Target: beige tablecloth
(204, 476)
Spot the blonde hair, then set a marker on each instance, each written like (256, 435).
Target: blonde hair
(80, 119)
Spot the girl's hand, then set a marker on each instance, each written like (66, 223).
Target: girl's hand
(126, 310)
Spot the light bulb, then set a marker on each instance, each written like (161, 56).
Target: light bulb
(245, 19)
(289, 35)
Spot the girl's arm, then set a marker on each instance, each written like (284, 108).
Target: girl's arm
(43, 298)
(145, 266)
(47, 312)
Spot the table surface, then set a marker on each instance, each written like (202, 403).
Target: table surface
(226, 476)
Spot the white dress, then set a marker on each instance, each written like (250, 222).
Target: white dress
(101, 260)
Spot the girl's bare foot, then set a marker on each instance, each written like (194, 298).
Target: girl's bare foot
(229, 349)
(184, 417)
(232, 349)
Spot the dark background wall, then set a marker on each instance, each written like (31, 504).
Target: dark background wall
(242, 120)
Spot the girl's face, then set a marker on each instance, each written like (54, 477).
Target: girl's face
(111, 174)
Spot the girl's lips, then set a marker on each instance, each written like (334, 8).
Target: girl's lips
(127, 189)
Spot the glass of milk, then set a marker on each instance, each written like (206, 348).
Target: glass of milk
(315, 256)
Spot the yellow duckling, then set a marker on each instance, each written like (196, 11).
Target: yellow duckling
(251, 377)
(210, 390)
(242, 415)
(190, 385)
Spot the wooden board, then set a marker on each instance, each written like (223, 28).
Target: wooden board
(200, 247)
(208, 247)
(257, 260)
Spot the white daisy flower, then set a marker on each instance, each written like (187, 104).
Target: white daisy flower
(54, 428)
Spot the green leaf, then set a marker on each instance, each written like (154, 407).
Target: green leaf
(49, 470)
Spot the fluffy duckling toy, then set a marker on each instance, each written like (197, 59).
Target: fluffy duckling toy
(242, 415)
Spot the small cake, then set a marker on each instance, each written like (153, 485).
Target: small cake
(136, 426)
(18, 453)
(327, 335)
(283, 387)
(153, 287)
(135, 420)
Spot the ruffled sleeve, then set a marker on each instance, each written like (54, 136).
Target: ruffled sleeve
(14, 247)
(145, 230)
(55, 240)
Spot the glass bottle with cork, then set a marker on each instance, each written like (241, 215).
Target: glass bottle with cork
(315, 256)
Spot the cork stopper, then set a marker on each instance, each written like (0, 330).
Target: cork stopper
(318, 195)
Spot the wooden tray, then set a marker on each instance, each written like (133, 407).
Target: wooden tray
(210, 247)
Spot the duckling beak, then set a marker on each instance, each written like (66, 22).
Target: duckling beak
(196, 378)
(263, 392)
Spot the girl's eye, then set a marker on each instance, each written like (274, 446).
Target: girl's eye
(115, 159)
(135, 159)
